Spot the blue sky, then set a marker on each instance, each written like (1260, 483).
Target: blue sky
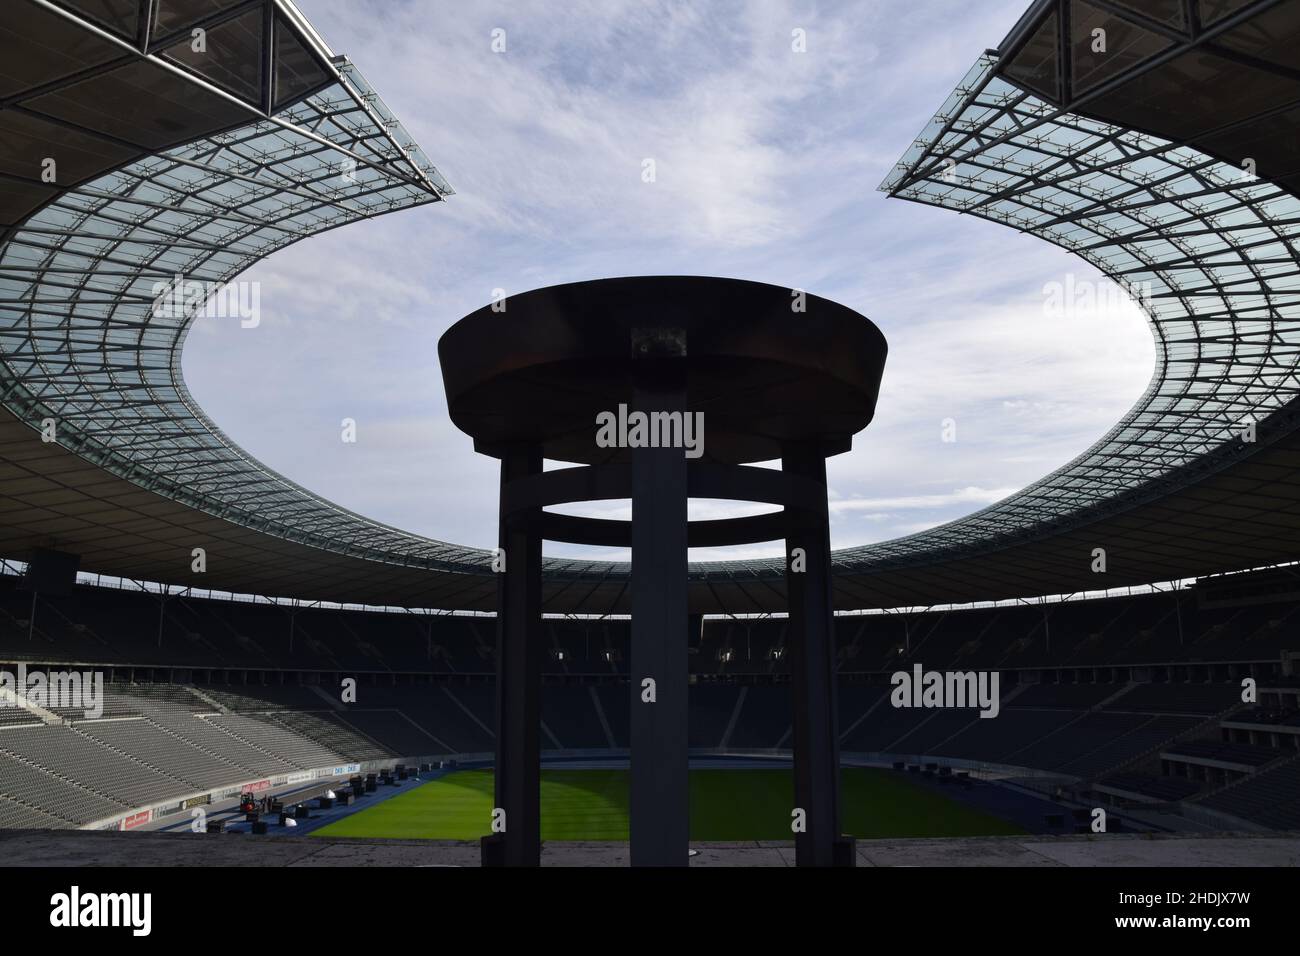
(767, 163)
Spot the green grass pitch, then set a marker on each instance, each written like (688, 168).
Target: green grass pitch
(740, 804)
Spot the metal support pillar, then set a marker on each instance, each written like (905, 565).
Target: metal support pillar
(519, 682)
(815, 736)
(659, 801)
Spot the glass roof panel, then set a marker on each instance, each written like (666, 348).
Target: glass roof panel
(1224, 287)
(1036, 65)
(84, 338)
(1122, 44)
(296, 69)
(174, 15)
(227, 54)
(120, 16)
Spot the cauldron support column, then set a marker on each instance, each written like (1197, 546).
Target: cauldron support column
(519, 679)
(659, 805)
(812, 673)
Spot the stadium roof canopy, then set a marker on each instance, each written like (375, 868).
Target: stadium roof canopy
(171, 164)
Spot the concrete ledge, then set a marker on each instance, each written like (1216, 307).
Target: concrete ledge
(20, 848)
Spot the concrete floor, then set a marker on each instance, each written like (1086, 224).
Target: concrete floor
(95, 848)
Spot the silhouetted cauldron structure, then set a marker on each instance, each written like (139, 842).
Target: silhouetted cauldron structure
(559, 373)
